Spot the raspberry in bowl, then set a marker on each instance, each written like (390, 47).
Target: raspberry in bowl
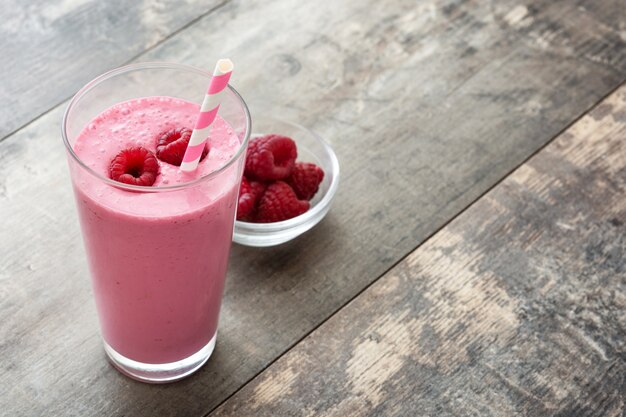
(290, 180)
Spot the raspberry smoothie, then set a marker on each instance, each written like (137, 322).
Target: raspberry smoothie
(158, 259)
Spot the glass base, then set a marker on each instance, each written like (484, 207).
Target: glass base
(162, 372)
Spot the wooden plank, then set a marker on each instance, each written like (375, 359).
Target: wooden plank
(427, 104)
(517, 307)
(50, 49)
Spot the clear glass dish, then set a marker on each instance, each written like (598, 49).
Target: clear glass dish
(311, 148)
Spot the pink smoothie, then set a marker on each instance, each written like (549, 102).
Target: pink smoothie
(158, 260)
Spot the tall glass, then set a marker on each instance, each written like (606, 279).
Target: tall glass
(157, 255)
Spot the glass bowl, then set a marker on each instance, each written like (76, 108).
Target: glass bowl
(311, 148)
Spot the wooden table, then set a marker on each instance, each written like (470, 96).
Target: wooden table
(473, 264)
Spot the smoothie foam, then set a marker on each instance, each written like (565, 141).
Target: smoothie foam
(158, 260)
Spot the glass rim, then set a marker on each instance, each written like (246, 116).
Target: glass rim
(151, 65)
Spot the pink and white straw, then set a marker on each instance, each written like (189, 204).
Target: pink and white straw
(208, 111)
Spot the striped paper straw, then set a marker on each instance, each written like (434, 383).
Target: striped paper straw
(208, 111)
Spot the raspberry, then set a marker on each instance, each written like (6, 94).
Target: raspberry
(305, 179)
(244, 188)
(258, 188)
(279, 203)
(246, 202)
(136, 166)
(249, 194)
(271, 157)
(172, 144)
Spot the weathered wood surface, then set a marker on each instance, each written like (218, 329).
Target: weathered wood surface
(430, 104)
(50, 49)
(517, 307)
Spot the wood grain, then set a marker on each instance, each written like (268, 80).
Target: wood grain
(50, 49)
(516, 308)
(427, 105)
